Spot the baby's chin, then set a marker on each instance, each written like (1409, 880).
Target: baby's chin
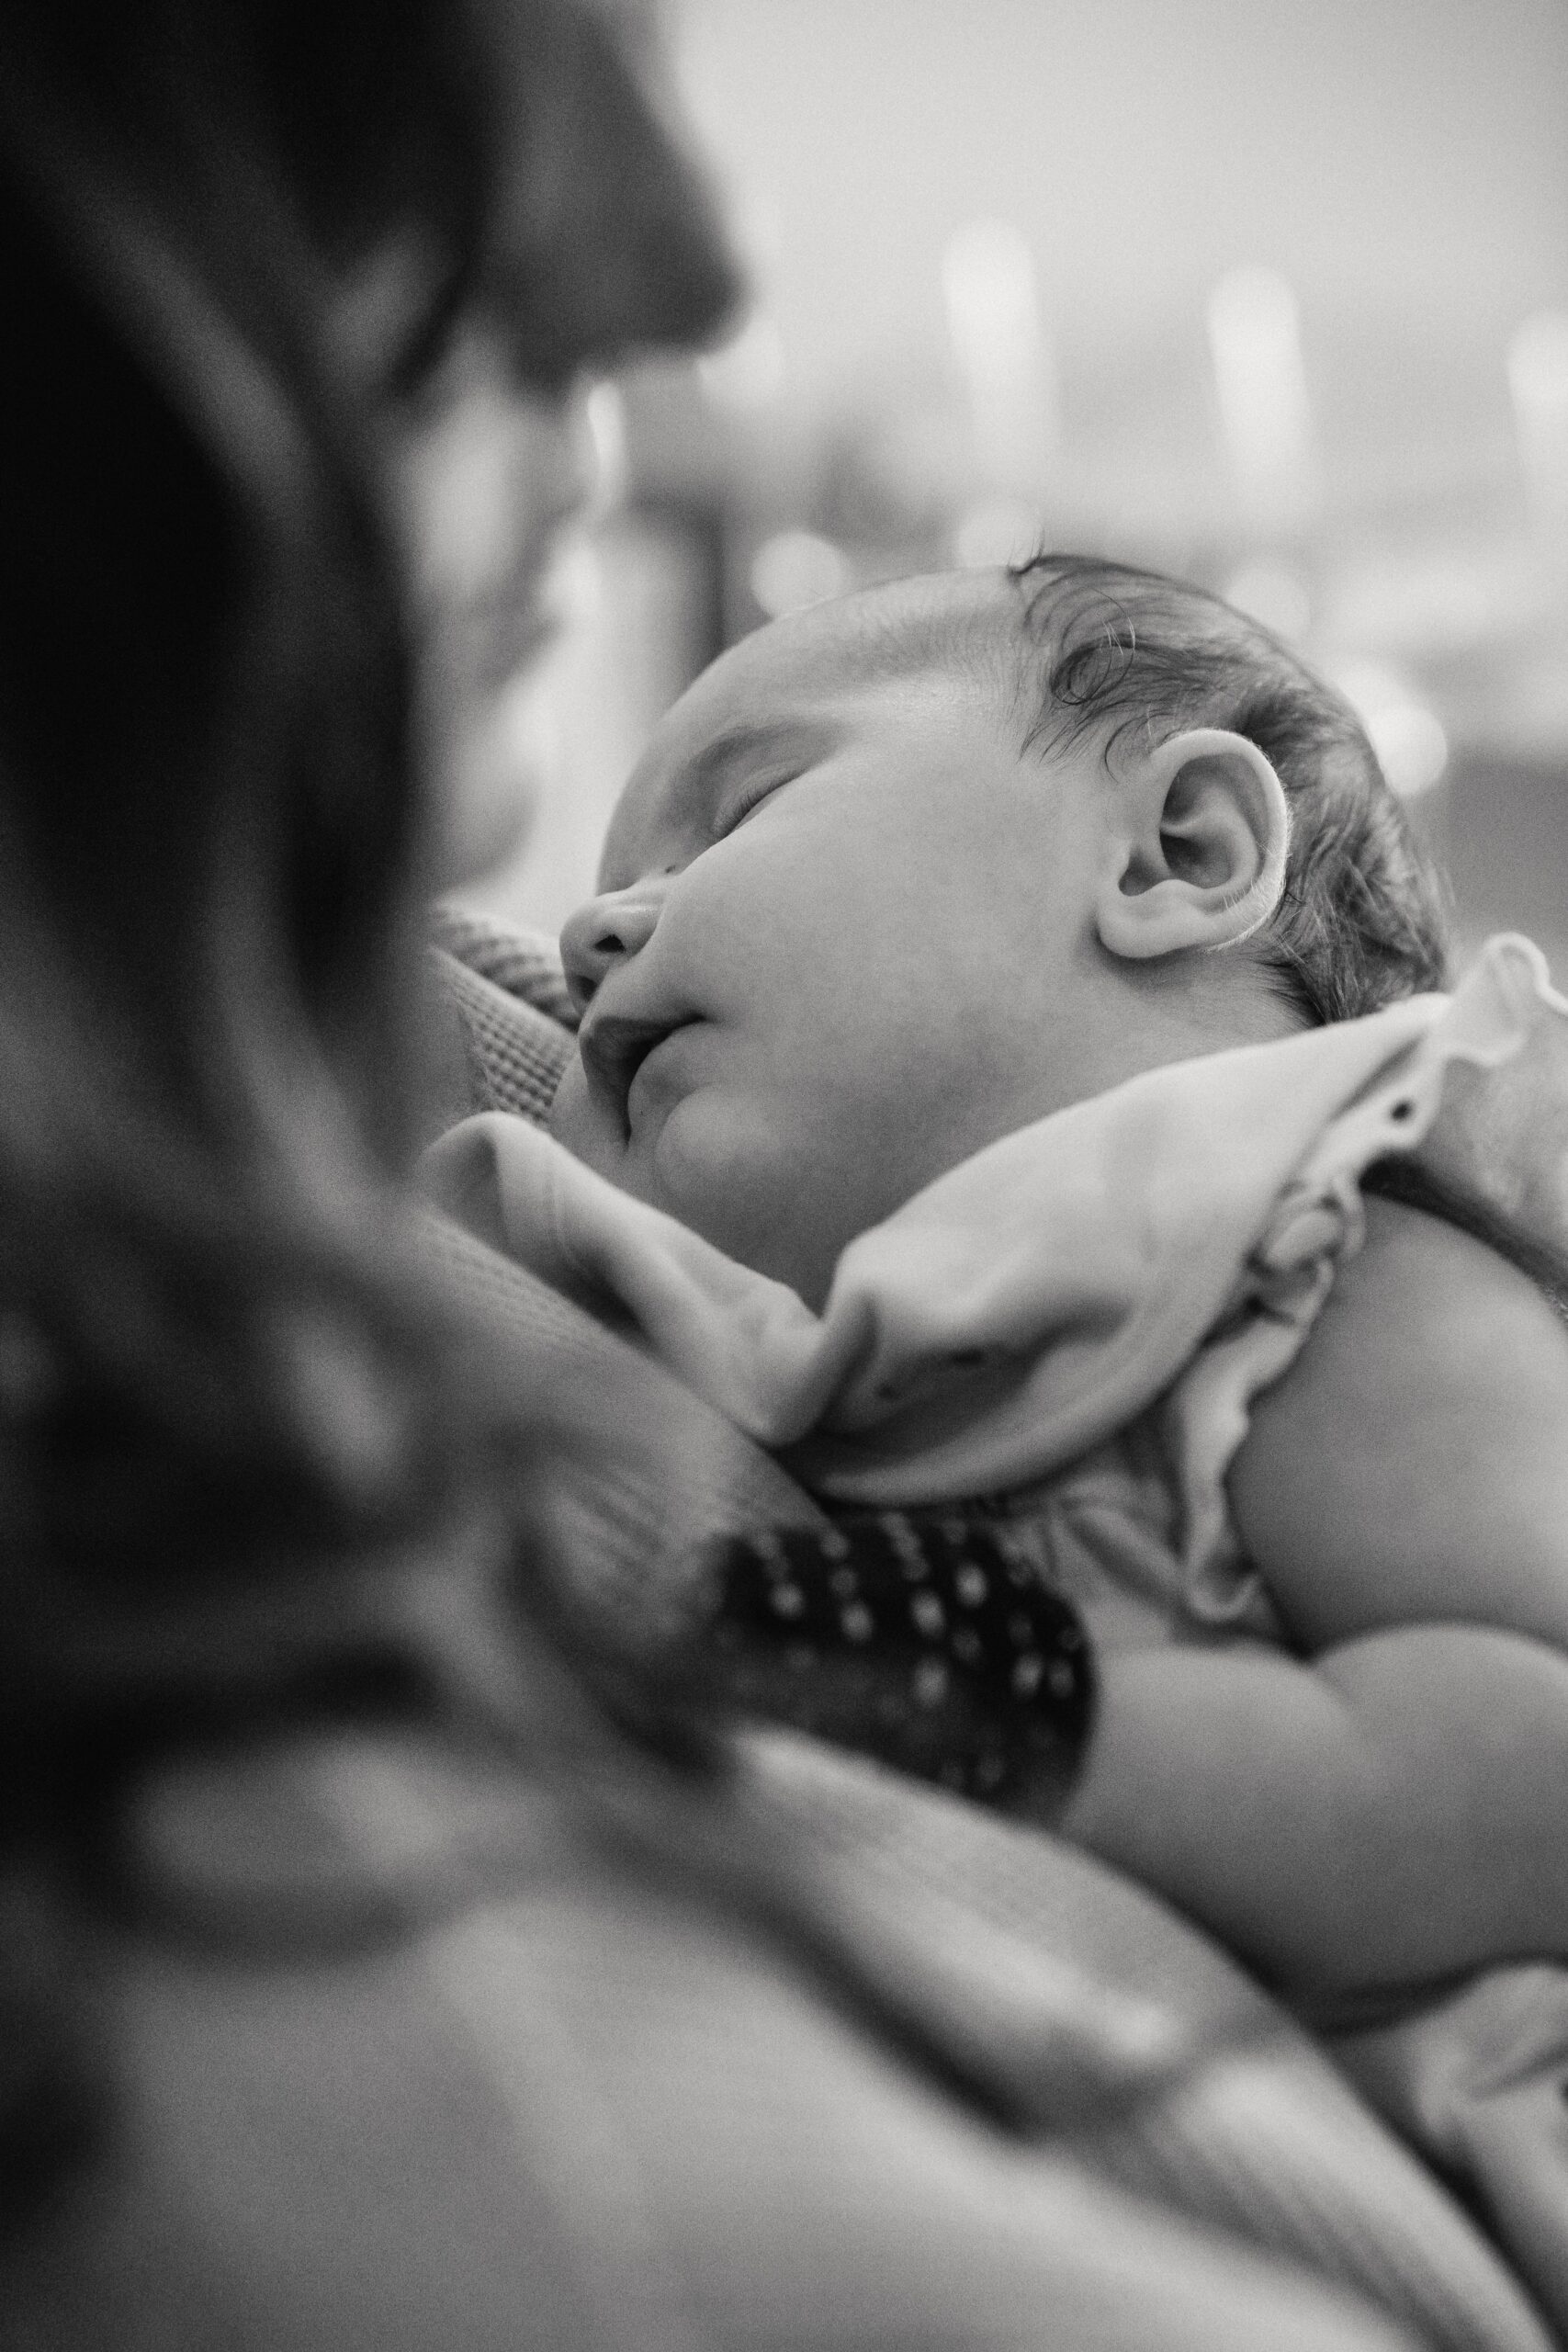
(714, 1164)
(576, 1120)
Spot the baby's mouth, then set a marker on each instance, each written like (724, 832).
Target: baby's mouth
(614, 1049)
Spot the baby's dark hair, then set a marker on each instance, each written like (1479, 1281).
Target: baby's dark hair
(1361, 919)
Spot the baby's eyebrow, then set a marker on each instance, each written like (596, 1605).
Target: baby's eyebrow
(744, 745)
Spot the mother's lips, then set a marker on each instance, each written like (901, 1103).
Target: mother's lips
(614, 1048)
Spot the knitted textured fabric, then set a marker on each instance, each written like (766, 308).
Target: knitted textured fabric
(514, 1050)
(573, 2102)
(524, 965)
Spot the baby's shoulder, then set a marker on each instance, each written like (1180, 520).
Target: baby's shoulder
(1421, 1286)
(1412, 1463)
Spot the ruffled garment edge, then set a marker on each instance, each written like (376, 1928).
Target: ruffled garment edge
(1479, 1107)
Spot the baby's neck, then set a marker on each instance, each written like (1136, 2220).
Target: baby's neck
(1119, 1032)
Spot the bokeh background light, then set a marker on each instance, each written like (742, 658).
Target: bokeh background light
(1275, 297)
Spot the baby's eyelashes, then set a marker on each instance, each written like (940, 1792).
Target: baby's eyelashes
(746, 799)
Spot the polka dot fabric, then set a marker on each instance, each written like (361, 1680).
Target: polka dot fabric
(929, 1641)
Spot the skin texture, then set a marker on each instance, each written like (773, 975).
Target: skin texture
(831, 842)
(1382, 1818)
(1437, 1380)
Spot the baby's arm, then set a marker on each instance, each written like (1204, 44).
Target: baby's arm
(1412, 1466)
(1389, 1809)
(1386, 1814)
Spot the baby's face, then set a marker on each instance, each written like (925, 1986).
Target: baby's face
(842, 930)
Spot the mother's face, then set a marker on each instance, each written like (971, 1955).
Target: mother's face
(599, 240)
(486, 473)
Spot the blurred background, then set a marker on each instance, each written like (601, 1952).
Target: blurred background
(1270, 293)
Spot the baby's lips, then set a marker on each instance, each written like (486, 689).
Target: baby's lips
(614, 1047)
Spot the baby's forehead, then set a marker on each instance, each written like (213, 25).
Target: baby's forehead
(944, 621)
(791, 686)
(959, 628)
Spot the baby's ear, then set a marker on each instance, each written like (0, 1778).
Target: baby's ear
(1195, 840)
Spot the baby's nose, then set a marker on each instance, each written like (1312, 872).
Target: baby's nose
(600, 935)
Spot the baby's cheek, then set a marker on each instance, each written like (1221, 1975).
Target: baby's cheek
(587, 1132)
(717, 1164)
(736, 1174)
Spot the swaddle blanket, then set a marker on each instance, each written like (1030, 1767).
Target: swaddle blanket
(1177, 1234)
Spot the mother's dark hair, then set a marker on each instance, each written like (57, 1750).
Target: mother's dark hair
(226, 1389)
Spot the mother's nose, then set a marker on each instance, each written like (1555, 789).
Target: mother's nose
(603, 933)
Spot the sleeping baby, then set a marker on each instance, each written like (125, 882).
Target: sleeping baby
(1000, 988)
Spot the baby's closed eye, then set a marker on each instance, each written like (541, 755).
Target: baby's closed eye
(746, 799)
